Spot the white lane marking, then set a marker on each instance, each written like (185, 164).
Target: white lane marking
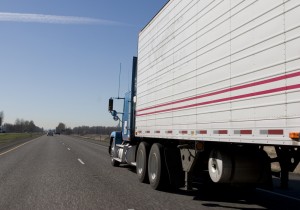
(69, 149)
(16, 147)
(80, 161)
(278, 194)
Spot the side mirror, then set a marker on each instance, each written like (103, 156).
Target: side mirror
(110, 104)
(116, 118)
(114, 113)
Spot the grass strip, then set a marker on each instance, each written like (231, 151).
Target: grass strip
(8, 137)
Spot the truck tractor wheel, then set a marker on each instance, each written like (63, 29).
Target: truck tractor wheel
(156, 167)
(220, 166)
(112, 152)
(141, 162)
(109, 147)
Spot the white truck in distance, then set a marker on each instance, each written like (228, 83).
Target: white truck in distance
(214, 82)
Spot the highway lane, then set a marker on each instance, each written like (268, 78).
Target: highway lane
(43, 174)
(63, 172)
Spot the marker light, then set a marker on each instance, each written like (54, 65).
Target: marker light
(294, 135)
(199, 146)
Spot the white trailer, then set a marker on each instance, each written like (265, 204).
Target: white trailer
(219, 80)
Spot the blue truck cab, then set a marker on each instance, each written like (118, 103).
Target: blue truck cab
(122, 147)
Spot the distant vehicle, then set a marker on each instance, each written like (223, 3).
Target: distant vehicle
(2, 129)
(50, 133)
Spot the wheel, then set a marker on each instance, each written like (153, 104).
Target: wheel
(249, 166)
(219, 166)
(156, 167)
(109, 147)
(112, 152)
(141, 162)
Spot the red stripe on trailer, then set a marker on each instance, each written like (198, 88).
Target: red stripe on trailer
(232, 98)
(245, 132)
(169, 132)
(275, 79)
(147, 131)
(275, 132)
(157, 131)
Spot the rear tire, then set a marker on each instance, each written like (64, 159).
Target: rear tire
(142, 162)
(220, 166)
(114, 163)
(156, 167)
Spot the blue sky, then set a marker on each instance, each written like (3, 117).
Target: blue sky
(60, 59)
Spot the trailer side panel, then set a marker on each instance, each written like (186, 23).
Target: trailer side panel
(220, 71)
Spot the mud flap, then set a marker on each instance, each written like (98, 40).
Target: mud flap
(174, 167)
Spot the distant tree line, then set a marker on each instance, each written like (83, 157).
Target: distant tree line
(22, 126)
(84, 130)
(102, 130)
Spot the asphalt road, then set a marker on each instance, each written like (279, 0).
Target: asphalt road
(62, 172)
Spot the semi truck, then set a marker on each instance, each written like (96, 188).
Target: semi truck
(213, 84)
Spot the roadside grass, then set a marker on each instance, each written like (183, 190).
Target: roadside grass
(8, 137)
